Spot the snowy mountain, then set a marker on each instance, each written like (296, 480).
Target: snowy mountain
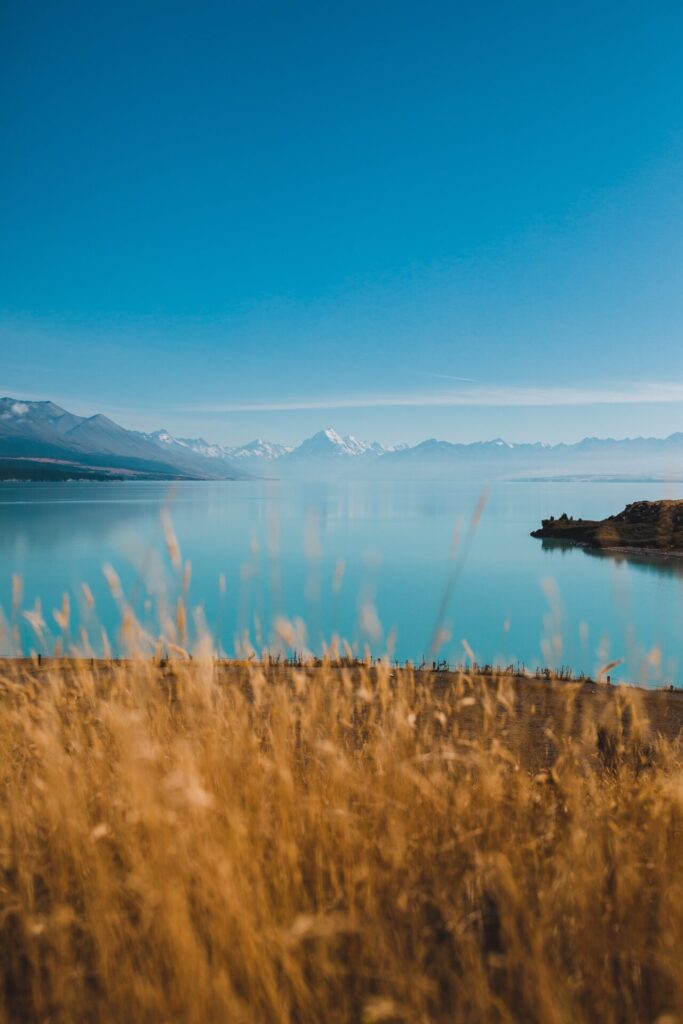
(323, 449)
(257, 449)
(268, 451)
(197, 446)
(329, 444)
(40, 440)
(329, 454)
(646, 458)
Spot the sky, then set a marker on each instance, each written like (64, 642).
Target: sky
(399, 219)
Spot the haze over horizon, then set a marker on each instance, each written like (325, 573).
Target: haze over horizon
(18, 410)
(241, 220)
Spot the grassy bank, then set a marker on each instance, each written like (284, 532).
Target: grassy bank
(202, 842)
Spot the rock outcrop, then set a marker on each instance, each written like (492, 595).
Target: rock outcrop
(642, 526)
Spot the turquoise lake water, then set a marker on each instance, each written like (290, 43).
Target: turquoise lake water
(372, 563)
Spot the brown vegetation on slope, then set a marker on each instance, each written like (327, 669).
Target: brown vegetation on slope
(643, 525)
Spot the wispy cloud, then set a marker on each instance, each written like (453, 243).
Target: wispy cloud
(450, 376)
(496, 395)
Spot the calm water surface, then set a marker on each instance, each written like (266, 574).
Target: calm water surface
(368, 562)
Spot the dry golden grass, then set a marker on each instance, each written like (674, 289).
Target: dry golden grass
(206, 843)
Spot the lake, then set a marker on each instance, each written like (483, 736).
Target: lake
(386, 566)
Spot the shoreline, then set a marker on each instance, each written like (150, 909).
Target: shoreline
(40, 664)
(531, 709)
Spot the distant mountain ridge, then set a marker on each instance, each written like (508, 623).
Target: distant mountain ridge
(329, 454)
(256, 449)
(326, 447)
(41, 440)
(328, 444)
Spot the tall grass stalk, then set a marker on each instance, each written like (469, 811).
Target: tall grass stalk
(201, 842)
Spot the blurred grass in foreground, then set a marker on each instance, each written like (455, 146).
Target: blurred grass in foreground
(196, 841)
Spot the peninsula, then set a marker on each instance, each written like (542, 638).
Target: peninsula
(655, 526)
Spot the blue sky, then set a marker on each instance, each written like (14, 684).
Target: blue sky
(400, 219)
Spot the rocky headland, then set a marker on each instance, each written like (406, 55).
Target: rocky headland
(655, 526)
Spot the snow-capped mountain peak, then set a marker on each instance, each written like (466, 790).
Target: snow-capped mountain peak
(41, 433)
(260, 449)
(323, 445)
(164, 437)
(328, 443)
(197, 445)
(256, 449)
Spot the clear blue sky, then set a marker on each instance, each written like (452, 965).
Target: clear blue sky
(242, 218)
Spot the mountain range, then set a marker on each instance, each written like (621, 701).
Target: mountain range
(326, 450)
(42, 441)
